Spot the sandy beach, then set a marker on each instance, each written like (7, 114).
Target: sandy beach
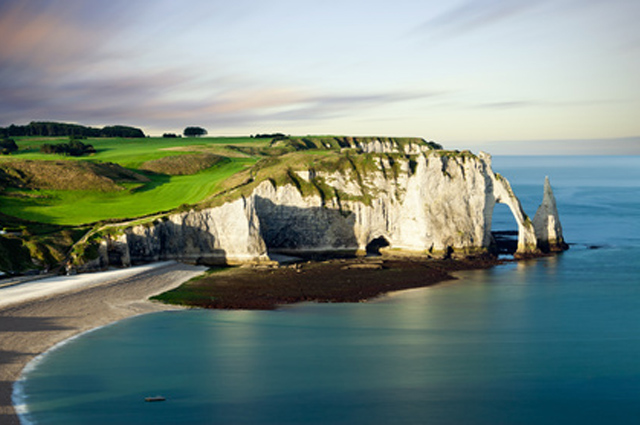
(37, 315)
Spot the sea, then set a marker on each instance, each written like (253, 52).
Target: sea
(554, 340)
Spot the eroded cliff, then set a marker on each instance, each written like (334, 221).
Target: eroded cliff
(408, 199)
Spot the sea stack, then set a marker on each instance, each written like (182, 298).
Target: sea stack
(546, 223)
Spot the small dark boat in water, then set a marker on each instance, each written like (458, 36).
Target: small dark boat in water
(156, 398)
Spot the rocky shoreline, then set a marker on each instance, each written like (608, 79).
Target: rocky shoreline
(334, 280)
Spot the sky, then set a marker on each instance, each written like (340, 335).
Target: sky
(507, 76)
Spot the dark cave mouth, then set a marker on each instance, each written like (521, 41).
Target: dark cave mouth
(373, 247)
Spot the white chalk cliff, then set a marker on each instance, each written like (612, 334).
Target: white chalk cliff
(546, 223)
(428, 202)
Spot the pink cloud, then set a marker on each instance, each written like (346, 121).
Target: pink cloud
(44, 38)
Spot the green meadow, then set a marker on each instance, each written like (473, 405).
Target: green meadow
(131, 153)
(161, 193)
(52, 204)
(152, 174)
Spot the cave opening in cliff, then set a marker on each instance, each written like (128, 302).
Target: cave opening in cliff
(373, 247)
(504, 230)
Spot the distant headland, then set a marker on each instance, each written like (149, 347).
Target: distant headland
(252, 200)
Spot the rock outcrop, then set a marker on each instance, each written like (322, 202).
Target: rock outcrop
(226, 234)
(547, 224)
(434, 203)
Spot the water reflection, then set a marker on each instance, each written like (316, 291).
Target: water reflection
(517, 341)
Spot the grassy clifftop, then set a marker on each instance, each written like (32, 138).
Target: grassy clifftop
(128, 179)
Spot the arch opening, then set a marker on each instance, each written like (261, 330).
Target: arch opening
(504, 231)
(373, 247)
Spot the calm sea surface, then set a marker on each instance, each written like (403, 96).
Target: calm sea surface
(550, 341)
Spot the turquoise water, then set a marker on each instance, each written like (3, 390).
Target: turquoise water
(554, 341)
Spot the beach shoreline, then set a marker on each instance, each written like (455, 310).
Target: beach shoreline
(34, 324)
(31, 326)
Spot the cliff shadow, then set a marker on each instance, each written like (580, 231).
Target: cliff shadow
(14, 322)
(166, 240)
(314, 231)
(8, 357)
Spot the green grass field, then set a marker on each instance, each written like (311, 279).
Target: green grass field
(80, 207)
(131, 153)
(39, 196)
(162, 193)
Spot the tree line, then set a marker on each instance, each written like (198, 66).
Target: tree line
(56, 129)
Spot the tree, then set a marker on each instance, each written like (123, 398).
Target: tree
(194, 132)
(8, 146)
(121, 131)
(73, 148)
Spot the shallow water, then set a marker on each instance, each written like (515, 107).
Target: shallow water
(554, 340)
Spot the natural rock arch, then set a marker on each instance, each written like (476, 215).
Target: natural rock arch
(503, 194)
(504, 231)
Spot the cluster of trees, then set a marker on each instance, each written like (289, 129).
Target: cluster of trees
(73, 148)
(194, 132)
(121, 131)
(56, 129)
(7, 146)
(276, 136)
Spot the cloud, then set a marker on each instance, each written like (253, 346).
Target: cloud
(48, 45)
(46, 96)
(284, 105)
(519, 104)
(336, 106)
(57, 65)
(476, 14)
(56, 36)
(508, 105)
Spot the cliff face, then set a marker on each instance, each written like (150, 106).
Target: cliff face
(229, 233)
(428, 202)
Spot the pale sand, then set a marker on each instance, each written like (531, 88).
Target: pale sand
(37, 315)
